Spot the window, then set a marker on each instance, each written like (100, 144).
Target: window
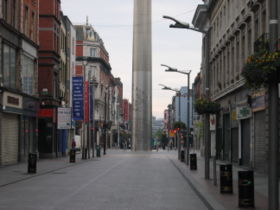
(238, 54)
(27, 75)
(263, 22)
(9, 66)
(26, 20)
(32, 26)
(233, 61)
(256, 28)
(243, 45)
(93, 52)
(249, 40)
(14, 13)
(5, 9)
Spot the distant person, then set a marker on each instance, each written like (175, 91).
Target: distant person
(73, 145)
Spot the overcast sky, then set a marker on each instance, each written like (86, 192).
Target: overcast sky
(178, 48)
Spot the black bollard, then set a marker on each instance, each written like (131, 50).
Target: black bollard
(246, 196)
(193, 161)
(32, 163)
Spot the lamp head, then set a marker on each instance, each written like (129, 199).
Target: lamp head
(178, 24)
(169, 68)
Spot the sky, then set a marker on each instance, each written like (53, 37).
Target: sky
(178, 48)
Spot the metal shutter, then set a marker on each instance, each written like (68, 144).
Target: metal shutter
(10, 135)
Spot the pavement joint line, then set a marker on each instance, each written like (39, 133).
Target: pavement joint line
(201, 197)
(44, 173)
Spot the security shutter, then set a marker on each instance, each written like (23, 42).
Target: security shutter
(226, 138)
(234, 139)
(245, 139)
(260, 142)
(10, 135)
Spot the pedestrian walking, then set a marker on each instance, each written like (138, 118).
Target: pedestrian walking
(73, 145)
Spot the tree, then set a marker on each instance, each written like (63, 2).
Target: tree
(180, 125)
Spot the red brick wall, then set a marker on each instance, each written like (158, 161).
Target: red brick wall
(125, 110)
(49, 21)
(46, 79)
(50, 7)
(79, 48)
(79, 70)
(33, 19)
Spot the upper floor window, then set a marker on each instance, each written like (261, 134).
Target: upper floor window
(5, 9)
(32, 26)
(9, 66)
(27, 75)
(26, 20)
(93, 52)
(13, 13)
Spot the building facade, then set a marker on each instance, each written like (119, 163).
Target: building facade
(49, 72)
(18, 79)
(181, 106)
(92, 63)
(198, 142)
(234, 30)
(70, 44)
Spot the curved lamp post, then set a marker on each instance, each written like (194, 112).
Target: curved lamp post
(184, 25)
(179, 112)
(170, 69)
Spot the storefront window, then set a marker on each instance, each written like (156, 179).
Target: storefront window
(27, 75)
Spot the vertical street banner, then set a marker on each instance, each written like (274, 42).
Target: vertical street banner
(86, 102)
(91, 101)
(78, 98)
(63, 118)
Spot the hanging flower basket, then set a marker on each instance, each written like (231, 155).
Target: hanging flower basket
(261, 69)
(203, 106)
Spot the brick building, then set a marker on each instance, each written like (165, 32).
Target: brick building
(49, 71)
(18, 79)
(92, 64)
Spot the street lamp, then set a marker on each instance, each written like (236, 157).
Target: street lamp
(85, 123)
(93, 86)
(184, 25)
(170, 69)
(179, 113)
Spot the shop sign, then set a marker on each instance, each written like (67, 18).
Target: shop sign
(12, 100)
(243, 112)
(63, 118)
(258, 103)
(233, 115)
(45, 113)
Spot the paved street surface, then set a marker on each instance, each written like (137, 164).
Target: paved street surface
(121, 180)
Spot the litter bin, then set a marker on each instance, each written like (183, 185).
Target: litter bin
(182, 156)
(98, 151)
(72, 156)
(193, 161)
(32, 163)
(246, 189)
(226, 179)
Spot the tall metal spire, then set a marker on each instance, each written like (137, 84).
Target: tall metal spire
(142, 75)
